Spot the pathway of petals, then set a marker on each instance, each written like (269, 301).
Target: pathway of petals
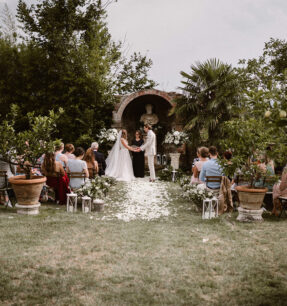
(140, 200)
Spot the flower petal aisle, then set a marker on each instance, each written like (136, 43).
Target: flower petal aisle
(140, 200)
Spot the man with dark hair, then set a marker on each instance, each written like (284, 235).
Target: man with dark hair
(213, 151)
(211, 168)
(100, 158)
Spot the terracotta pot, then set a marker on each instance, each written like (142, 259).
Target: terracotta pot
(250, 198)
(27, 191)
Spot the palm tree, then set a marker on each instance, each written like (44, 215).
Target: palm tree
(211, 94)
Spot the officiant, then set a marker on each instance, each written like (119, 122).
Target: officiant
(138, 157)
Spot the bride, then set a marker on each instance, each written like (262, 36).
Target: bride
(119, 163)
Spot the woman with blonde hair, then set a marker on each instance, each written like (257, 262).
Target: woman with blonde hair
(69, 149)
(202, 154)
(59, 156)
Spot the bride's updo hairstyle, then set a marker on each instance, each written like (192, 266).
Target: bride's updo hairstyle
(124, 134)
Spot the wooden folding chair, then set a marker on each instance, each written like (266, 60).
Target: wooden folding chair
(73, 175)
(6, 191)
(213, 179)
(283, 201)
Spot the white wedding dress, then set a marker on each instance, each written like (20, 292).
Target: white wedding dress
(119, 162)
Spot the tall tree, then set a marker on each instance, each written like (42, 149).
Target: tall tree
(66, 59)
(267, 79)
(211, 95)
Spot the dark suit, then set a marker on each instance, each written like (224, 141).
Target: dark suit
(100, 158)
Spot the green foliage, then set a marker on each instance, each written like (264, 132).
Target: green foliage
(25, 147)
(166, 174)
(133, 75)
(211, 97)
(246, 138)
(262, 120)
(67, 59)
(267, 79)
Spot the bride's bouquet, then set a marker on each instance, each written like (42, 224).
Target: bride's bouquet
(108, 136)
(175, 138)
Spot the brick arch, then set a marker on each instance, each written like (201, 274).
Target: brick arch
(127, 100)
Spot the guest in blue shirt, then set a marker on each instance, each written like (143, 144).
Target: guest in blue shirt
(211, 168)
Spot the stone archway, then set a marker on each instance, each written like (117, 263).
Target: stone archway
(128, 111)
(126, 100)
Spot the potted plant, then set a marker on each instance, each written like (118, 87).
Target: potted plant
(247, 139)
(174, 141)
(96, 189)
(24, 149)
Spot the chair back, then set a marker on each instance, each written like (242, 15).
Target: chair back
(3, 174)
(213, 179)
(81, 175)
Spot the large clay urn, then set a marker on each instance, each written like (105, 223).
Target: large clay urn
(27, 192)
(251, 198)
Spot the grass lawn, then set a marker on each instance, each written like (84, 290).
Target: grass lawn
(73, 259)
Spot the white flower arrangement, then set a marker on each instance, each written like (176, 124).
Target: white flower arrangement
(96, 188)
(195, 193)
(108, 136)
(175, 138)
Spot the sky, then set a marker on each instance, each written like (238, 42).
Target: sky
(176, 34)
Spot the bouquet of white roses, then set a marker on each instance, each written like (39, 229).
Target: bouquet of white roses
(108, 136)
(175, 138)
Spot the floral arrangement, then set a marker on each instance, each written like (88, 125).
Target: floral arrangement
(166, 174)
(175, 138)
(108, 135)
(96, 188)
(195, 193)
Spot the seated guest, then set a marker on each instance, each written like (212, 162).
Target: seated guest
(211, 168)
(100, 158)
(78, 165)
(69, 149)
(279, 190)
(56, 177)
(267, 167)
(91, 163)
(196, 159)
(227, 155)
(10, 171)
(59, 156)
(202, 154)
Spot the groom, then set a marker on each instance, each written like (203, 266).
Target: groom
(150, 150)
